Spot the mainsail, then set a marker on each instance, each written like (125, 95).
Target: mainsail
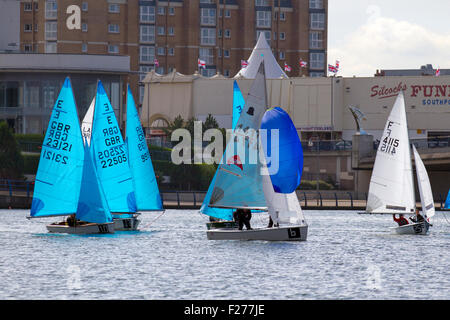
(391, 188)
(92, 205)
(86, 124)
(426, 195)
(239, 181)
(144, 180)
(238, 104)
(447, 201)
(111, 156)
(58, 179)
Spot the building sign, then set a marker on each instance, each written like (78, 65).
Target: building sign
(323, 128)
(427, 94)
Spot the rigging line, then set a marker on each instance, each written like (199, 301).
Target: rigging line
(445, 218)
(151, 222)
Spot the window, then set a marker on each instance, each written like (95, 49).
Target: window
(208, 16)
(263, 19)
(227, 33)
(113, 48)
(261, 3)
(208, 36)
(227, 13)
(208, 72)
(171, 11)
(316, 74)
(27, 48)
(50, 30)
(114, 8)
(207, 55)
(219, 33)
(317, 60)
(147, 33)
(27, 6)
(143, 70)
(281, 55)
(146, 54)
(282, 16)
(113, 28)
(315, 40)
(317, 21)
(161, 11)
(206, 1)
(266, 33)
(51, 9)
(84, 47)
(171, 51)
(84, 6)
(28, 27)
(31, 94)
(161, 31)
(147, 14)
(161, 51)
(160, 70)
(226, 53)
(171, 31)
(50, 47)
(282, 36)
(316, 4)
(226, 73)
(84, 27)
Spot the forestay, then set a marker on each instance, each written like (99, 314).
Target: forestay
(144, 181)
(391, 188)
(426, 195)
(239, 181)
(58, 179)
(111, 156)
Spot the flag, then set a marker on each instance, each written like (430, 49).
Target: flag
(156, 63)
(303, 63)
(332, 68)
(438, 72)
(337, 65)
(287, 68)
(244, 63)
(201, 64)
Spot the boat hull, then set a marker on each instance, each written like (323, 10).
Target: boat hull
(222, 225)
(126, 224)
(88, 228)
(288, 233)
(420, 228)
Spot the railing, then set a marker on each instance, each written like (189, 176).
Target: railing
(16, 187)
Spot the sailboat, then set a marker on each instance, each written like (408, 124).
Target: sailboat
(111, 159)
(447, 202)
(145, 185)
(391, 188)
(223, 217)
(66, 182)
(242, 183)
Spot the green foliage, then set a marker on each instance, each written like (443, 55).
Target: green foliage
(31, 163)
(312, 185)
(11, 160)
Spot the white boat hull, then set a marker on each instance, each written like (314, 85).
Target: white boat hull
(89, 228)
(287, 233)
(126, 224)
(222, 225)
(420, 228)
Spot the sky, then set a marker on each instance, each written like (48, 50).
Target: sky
(367, 35)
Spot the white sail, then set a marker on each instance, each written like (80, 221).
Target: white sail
(391, 187)
(426, 195)
(283, 208)
(86, 125)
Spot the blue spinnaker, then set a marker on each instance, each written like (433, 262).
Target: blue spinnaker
(238, 103)
(447, 201)
(92, 205)
(58, 179)
(111, 157)
(285, 154)
(238, 182)
(144, 180)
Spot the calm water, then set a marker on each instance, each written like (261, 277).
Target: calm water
(347, 256)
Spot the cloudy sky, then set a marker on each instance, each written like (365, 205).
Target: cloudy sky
(366, 35)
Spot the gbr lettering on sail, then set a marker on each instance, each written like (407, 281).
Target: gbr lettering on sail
(389, 144)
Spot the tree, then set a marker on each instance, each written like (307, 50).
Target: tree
(11, 160)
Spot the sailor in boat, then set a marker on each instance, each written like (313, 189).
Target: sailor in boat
(401, 220)
(243, 216)
(418, 218)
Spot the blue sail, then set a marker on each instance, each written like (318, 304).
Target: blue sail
(111, 156)
(92, 205)
(238, 103)
(58, 179)
(144, 180)
(238, 183)
(285, 154)
(447, 201)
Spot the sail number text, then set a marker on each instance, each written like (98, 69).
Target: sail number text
(116, 153)
(389, 144)
(142, 144)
